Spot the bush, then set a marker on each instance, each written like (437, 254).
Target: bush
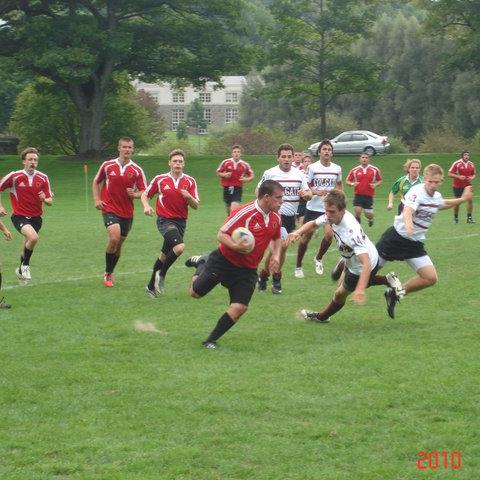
(166, 146)
(475, 142)
(442, 140)
(397, 145)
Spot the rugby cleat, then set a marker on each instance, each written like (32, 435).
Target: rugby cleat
(337, 270)
(193, 261)
(318, 266)
(151, 293)
(108, 280)
(312, 316)
(395, 283)
(470, 220)
(299, 272)
(261, 284)
(19, 274)
(391, 299)
(276, 286)
(209, 345)
(26, 273)
(159, 283)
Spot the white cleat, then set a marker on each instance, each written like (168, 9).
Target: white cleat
(395, 283)
(318, 266)
(159, 283)
(25, 269)
(299, 272)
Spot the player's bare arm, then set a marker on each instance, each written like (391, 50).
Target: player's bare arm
(408, 219)
(453, 202)
(46, 200)
(247, 178)
(359, 296)
(6, 231)
(99, 204)
(191, 200)
(304, 194)
(305, 228)
(276, 246)
(147, 209)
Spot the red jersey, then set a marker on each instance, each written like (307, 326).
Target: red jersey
(264, 227)
(364, 176)
(238, 170)
(116, 179)
(170, 202)
(466, 169)
(24, 190)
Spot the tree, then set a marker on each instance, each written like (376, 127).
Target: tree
(311, 42)
(79, 44)
(195, 116)
(45, 116)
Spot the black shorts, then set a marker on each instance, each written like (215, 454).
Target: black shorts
(19, 221)
(311, 215)
(110, 218)
(166, 224)
(351, 279)
(363, 201)
(232, 194)
(458, 192)
(302, 207)
(239, 281)
(288, 223)
(392, 246)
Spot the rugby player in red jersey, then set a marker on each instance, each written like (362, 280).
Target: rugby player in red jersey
(114, 187)
(29, 190)
(176, 192)
(233, 264)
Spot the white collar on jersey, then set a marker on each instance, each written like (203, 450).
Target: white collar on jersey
(265, 215)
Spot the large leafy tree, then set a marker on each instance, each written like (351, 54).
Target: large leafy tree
(79, 44)
(311, 46)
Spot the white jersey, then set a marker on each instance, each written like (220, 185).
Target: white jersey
(424, 207)
(351, 241)
(291, 181)
(324, 178)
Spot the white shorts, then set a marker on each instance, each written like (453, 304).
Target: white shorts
(413, 263)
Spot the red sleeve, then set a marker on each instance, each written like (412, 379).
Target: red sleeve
(221, 167)
(141, 180)
(453, 168)
(379, 174)
(350, 176)
(100, 176)
(152, 189)
(192, 190)
(46, 188)
(6, 182)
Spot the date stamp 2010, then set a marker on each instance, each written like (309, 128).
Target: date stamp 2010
(439, 460)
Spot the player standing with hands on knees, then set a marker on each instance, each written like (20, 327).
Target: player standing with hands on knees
(121, 181)
(29, 190)
(358, 252)
(176, 192)
(233, 264)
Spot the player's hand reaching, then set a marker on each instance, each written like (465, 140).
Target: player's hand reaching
(359, 297)
(99, 204)
(131, 192)
(148, 210)
(293, 237)
(8, 235)
(3, 212)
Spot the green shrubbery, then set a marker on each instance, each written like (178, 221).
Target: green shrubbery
(442, 140)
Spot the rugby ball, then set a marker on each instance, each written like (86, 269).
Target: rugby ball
(244, 235)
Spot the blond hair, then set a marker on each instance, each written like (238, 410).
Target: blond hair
(433, 169)
(408, 163)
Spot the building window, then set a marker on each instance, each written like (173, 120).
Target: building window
(231, 115)
(231, 97)
(207, 115)
(178, 97)
(178, 115)
(205, 97)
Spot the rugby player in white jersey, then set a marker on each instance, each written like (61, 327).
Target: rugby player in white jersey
(322, 176)
(295, 187)
(404, 240)
(359, 253)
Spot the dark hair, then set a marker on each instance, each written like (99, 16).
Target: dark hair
(27, 151)
(268, 187)
(325, 141)
(285, 146)
(464, 152)
(236, 146)
(336, 198)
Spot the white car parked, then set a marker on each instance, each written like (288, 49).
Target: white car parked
(356, 141)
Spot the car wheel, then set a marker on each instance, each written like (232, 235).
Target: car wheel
(369, 151)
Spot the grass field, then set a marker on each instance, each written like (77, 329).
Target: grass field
(86, 394)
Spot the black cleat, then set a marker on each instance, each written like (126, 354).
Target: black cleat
(391, 299)
(312, 316)
(370, 223)
(470, 220)
(193, 261)
(261, 284)
(276, 286)
(337, 270)
(210, 345)
(455, 220)
(4, 305)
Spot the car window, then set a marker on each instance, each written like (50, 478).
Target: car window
(345, 138)
(359, 137)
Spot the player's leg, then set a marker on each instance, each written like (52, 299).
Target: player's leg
(30, 240)
(264, 272)
(112, 250)
(3, 304)
(324, 246)
(426, 274)
(302, 249)
(335, 305)
(357, 212)
(470, 211)
(457, 193)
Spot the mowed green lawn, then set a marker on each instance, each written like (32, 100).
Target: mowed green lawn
(86, 394)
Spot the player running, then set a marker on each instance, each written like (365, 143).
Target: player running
(29, 190)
